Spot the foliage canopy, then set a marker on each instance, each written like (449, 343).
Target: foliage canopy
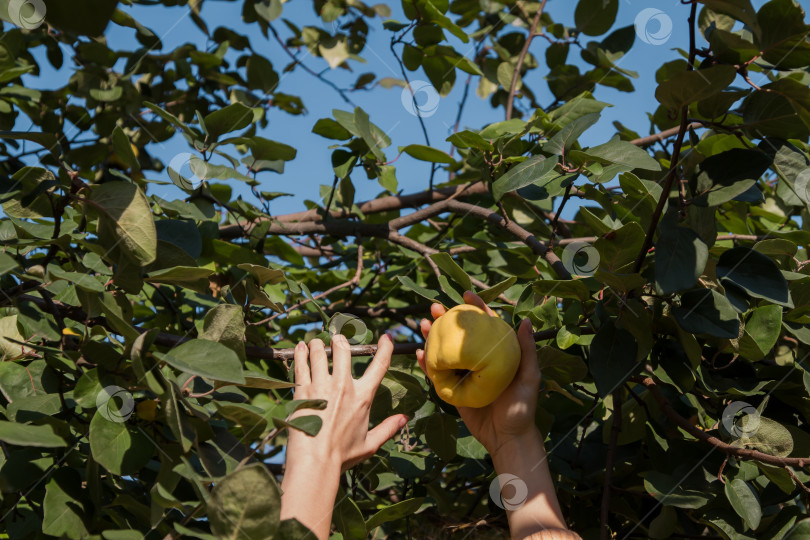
(146, 341)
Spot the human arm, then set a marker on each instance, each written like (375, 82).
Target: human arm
(314, 464)
(507, 430)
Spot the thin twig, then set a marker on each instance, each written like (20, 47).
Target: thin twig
(609, 461)
(516, 74)
(674, 160)
(696, 432)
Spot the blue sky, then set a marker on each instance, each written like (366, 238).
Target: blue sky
(312, 167)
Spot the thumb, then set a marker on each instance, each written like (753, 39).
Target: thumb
(384, 431)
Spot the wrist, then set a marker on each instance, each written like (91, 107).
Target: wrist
(312, 464)
(515, 445)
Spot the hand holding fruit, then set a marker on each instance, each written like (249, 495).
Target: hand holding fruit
(492, 414)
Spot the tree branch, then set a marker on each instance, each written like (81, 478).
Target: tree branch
(667, 133)
(267, 353)
(696, 432)
(350, 283)
(609, 461)
(674, 160)
(521, 57)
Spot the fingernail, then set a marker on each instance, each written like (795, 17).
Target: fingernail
(526, 323)
(389, 337)
(402, 421)
(301, 346)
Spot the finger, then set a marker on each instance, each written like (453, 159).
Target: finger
(387, 429)
(301, 366)
(425, 326)
(475, 300)
(341, 357)
(437, 310)
(420, 358)
(317, 361)
(379, 364)
(529, 369)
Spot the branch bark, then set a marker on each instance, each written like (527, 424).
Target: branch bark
(267, 353)
(674, 160)
(696, 432)
(666, 134)
(609, 462)
(521, 57)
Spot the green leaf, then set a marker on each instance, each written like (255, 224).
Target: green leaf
(726, 175)
(255, 379)
(245, 505)
(83, 281)
(691, 86)
(595, 17)
(426, 153)
(705, 311)
(292, 529)
(250, 418)
(263, 275)
(567, 136)
(64, 506)
(534, 170)
(624, 153)
(560, 366)
(613, 357)
(226, 325)
(768, 436)
(573, 288)
(744, 501)
(261, 75)
(394, 512)
(441, 435)
(620, 247)
(126, 209)
(446, 263)
(176, 418)
(123, 149)
(434, 296)
(671, 491)
(375, 139)
(800, 531)
(189, 277)
(48, 141)
(761, 332)
(117, 447)
(349, 519)
(326, 127)
(86, 17)
(755, 273)
(469, 139)
(334, 50)
(269, 10)
(434, 15)
(207, 359)
(680, 258)
(233, 117)
(489, 295)
(29, 435)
